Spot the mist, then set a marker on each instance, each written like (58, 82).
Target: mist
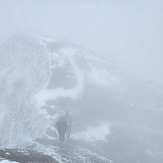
(116, 77)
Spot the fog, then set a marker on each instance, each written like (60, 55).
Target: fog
(129, 32)
(122, 94)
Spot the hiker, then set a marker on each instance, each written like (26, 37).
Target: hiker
(63, 126)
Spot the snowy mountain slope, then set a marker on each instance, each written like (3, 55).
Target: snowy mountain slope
(72, 153)
(93, 134)
(37, 71)
(34, 71)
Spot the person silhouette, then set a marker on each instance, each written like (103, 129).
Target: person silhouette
(63, 126)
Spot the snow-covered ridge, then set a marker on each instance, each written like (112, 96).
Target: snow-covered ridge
(34, 70)
(79, 65)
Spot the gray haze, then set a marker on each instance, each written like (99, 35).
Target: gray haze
(129, 32)
(128, 36)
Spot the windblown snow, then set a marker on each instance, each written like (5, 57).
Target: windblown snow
(34, 71)
(91, 134)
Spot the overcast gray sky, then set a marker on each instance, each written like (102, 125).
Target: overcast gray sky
(129, 32)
